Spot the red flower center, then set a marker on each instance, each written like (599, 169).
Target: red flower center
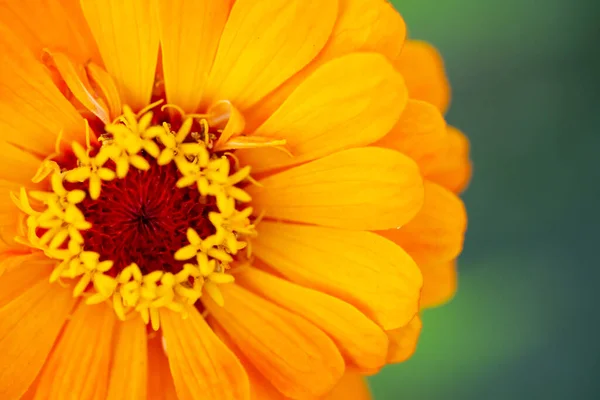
(143, 219)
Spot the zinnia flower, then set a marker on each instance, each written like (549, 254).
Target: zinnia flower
(204, 199)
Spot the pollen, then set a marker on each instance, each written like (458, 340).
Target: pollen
(149, 215)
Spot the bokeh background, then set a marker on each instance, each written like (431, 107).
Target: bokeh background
(526, 89)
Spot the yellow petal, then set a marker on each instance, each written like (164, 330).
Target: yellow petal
(363, 189)
(436, 234)
(129, 365)
(189, 36)
(106, 174)
(78, 174)
(56, 25)
(122, 167)
(160, 384)
(58, 239)
(439, 283)
(79, 365)
(32, 110)
(128, 40)
(193, 237)
(264, 43)
(359, 339)
(423, 69)
(352, 386)
(294, 355)
(362, 25)
(420, 133)
(139, 162)
(29, 325)
(165, 157)
(351, 101)
(185, 253)
(200, 362)
(403, 341)
(361, 268)
(451, 167)
(75, 196)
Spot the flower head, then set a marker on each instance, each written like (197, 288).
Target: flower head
(218, 199)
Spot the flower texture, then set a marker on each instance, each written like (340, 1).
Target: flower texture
(204, 199)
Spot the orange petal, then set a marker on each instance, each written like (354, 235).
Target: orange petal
(420, 133)
(437, 233)
(129, 366)
(362, 25)
(351, 101)
(8, 232)
(223, 115)
(19, 166)
(58, 25)
(361, 268)
(264, 43)
(294, 355)
(189, 35)
(128, 40)
(30, 393)
(20, 272)
(200, 363)
(403, 341)
(363, 189)
(353, 386)
(105, 87)
(32, 110)
(260, 387)
(423, 69)
(160, 384)
(29, 325)
(76, 79)
(439, 283)
(12, 220)
(367, 25)
(452, 168)
(360, 340)
(79, 365)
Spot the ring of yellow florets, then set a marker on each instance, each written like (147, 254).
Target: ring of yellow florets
(208, 259)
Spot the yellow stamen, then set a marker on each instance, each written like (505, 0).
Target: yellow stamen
(49, 166)
(54, 221)
(128, 136)
(91, 169)
(149, 107)
(254, 142)
(175, 148)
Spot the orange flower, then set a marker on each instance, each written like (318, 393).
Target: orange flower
(219, 199)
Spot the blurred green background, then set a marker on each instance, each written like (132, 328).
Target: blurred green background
(526, 89)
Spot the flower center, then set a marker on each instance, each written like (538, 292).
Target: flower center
(143, 219)
(149, 216)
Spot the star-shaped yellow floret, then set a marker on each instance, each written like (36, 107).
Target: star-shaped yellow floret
(91, 169)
